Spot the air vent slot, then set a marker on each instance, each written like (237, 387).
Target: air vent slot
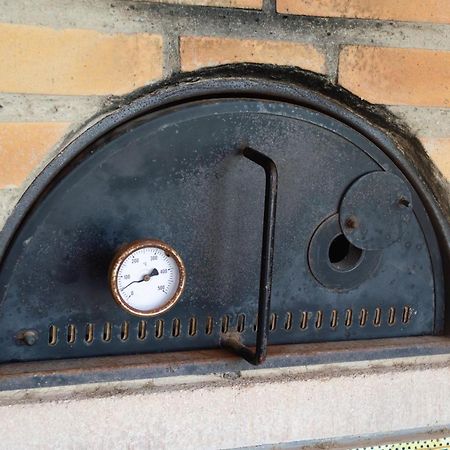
(348, 318)
(107, 332)
(391, 316)
(124, 331)
(288, 322)
(334, 319)
(225, 324)
(363, 317)
(142, 330)
(377, 317)
(273, 322)
(52, 335)
(209, 326)
(240, 327)
(176, 327)
(319, 319)
(192, 326)
(406, 317)
(304, 320)
(159, 329)
(89, 336)
(71, 334)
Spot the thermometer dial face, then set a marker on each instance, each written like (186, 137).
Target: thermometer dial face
(147, 277)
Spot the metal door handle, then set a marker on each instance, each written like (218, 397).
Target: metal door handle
(258, 355)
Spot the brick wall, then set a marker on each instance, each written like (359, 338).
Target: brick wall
(62, 62)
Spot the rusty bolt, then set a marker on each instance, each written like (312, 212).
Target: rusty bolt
(403, 201)
(28, 337)
(351, 222)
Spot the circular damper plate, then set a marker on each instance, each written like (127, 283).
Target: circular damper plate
(375, 210)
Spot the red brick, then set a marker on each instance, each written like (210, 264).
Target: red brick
(437, 11)
(23, 147)
(396, 76)
(42, 60)
(199, 52)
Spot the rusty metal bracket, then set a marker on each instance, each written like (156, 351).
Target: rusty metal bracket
(229, 341)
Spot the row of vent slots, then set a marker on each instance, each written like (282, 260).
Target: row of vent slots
(288, 324)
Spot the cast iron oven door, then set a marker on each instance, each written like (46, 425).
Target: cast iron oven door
(355, 255)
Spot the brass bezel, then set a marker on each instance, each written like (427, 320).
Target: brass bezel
(126, 251)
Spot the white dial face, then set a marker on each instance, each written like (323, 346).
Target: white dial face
(148, 279)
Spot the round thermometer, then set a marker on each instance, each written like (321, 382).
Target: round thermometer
(147, 277)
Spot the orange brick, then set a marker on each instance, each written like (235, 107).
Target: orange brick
(437, 11)
(247, 4)
(23, 147)
(42, 60)
(396, 76)
(439, 150)
(199, 52)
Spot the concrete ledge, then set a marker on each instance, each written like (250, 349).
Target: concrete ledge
(134, 367)
(257, 407)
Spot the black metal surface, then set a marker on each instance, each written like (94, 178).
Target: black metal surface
(232, 341)
(375, 211)
(204, 201)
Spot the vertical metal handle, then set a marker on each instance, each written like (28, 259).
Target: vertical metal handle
(258, 356)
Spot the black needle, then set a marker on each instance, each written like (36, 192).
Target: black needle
(146, 277)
